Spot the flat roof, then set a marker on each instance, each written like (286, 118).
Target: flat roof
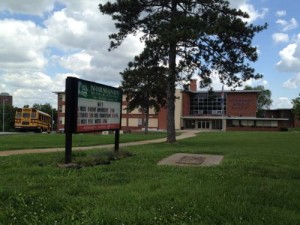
(234, 118)
(225, 91)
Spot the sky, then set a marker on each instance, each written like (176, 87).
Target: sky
(44, 41)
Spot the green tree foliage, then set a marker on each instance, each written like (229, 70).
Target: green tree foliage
(197, 35)
(144, 84)
(296, 106)
(264, 100)
(46, 108)
(9, 118)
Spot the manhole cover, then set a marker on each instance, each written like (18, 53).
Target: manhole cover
(194, 160)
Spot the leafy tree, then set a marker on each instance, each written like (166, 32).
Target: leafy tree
(144, 82)
(9, 118)
(46, 108)
(264, 100)
(296, 106)
(191, 35)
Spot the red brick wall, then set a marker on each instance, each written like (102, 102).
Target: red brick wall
(60, 102)
(241, 104)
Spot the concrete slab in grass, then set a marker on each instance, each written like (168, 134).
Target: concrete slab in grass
(185, 159)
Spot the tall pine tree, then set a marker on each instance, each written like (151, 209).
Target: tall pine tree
(191, 35)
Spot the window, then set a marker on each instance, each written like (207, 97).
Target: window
(18, 115)
(247, 123)
(260, 123)
(33, 115)
(236, 123)
(26, 115)
(217, 124)
(190, 124)
(207, 104)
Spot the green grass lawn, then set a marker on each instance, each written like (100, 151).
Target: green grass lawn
(257, 183)
(34, 141)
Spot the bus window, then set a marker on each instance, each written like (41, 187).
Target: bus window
(18, 114)
(33, 115)
(26, 115)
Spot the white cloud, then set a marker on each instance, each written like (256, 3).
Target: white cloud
(59, 81)
(75, 38)
(245, 6)
(217, 85)
(281, 13)
(22, 45)
(36, 80)
(77, 62)
(293, 82)
(282, 103)
(287, 25)
(28, 88)
(290, 57)
(280, 37)
(24, 96)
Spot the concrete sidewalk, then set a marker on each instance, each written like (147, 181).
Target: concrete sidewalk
(185, 134)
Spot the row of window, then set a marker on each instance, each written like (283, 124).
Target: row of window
(207, 104)
(252, 123)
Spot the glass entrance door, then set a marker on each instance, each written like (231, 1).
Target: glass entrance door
(203, 124)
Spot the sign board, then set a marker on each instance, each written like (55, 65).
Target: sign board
(91, 107)
(97, 107)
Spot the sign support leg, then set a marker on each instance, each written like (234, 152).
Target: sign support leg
(117, 140)
(68, 150)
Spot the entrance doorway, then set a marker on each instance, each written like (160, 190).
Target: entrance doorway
(203, 124)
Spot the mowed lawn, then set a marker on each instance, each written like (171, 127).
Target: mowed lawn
(36, 141)
(257, 183)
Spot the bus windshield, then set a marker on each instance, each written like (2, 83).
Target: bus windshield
(26, 115)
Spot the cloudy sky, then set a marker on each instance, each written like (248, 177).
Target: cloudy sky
(44, 41)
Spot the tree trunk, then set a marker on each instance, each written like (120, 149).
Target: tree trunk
(147, 120)
(171, 136)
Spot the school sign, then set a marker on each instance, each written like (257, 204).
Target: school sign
(91, 107)
(99, 107)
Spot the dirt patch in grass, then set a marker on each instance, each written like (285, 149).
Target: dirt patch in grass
(88, 160)
(185, 159)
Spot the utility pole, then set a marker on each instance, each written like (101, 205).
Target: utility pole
(3, 112)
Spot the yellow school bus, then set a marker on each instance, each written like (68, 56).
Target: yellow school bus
(29, 119)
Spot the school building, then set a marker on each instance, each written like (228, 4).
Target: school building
(218, 110)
